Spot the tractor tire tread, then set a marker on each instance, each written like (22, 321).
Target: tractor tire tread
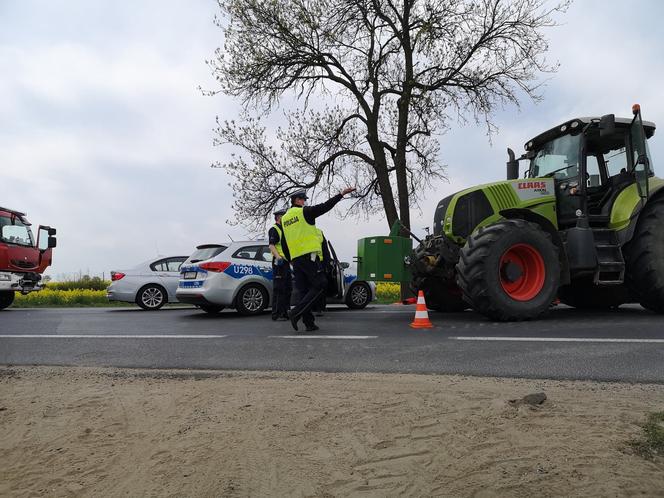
(644, 257)
(471, 270)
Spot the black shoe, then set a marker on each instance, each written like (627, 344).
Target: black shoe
(311, 328)
(274, 318)
(293, 320)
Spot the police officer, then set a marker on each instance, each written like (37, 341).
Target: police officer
(281, 272)
(306, 251)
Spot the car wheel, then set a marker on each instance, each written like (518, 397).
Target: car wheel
(252, 299)
(211, 308)
(358, 296)
(151, 297)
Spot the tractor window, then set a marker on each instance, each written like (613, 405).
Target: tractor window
(560, 155)
(616, 161)
(640, 145)
(592, 169)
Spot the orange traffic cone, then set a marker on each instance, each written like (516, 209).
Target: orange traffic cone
(421, 315)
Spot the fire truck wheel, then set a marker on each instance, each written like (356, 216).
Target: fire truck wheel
(6, 299)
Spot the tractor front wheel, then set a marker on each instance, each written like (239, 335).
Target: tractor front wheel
(509, 271)
(644, 257)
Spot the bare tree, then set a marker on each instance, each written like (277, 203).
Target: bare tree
(373, 83)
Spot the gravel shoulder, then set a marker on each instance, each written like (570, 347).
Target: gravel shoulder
(115, 432)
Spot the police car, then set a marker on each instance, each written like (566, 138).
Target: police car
(239, 275)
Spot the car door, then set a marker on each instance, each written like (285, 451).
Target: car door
(264, 260)
(168, 272)
(337, 273)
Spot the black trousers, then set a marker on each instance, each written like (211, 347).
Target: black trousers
(310, 285)
(282, 287)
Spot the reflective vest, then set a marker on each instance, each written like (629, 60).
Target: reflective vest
(277, 246)
(301, 237)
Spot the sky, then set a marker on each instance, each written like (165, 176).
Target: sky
(105, 135)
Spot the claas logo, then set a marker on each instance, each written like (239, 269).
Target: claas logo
(532, 185)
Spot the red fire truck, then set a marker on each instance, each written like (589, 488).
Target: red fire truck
(22, 258)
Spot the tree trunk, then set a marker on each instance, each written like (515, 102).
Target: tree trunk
(403, 105)
(382, 175)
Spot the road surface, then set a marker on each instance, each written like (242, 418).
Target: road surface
(623, 345)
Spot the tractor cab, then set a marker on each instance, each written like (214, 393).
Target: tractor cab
(593, 161)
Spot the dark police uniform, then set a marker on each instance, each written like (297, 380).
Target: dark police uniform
(282, 282)
(304, 244)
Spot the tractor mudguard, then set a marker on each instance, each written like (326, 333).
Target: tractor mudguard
(627, 206)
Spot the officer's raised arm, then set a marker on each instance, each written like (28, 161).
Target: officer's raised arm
(313, 212)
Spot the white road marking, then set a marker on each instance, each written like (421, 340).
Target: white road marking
(107, 336)
(558, 339)
(323, 336)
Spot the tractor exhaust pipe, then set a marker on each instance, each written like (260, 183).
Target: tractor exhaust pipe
(512, 165)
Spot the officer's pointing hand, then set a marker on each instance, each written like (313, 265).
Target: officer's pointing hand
(348, 190)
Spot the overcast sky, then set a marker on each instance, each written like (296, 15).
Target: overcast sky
(104, 135)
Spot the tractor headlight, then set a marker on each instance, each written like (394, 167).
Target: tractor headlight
(4, 277)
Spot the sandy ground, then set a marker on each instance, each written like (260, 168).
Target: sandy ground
(106, 432)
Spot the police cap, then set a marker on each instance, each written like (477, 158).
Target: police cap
(299, 194)
(280, 212)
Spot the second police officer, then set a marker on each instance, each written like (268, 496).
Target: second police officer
(304, 244)
(281, 272)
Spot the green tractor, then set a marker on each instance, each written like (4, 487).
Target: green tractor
(585, 225)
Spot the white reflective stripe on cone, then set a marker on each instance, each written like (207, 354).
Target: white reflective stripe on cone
(421, 314)
(420, 300)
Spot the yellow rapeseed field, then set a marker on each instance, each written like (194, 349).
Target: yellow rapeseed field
(387, 292)
(50, 297)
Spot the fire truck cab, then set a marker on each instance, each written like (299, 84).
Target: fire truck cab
(23, 258)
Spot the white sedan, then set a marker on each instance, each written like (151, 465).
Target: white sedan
(150, 284)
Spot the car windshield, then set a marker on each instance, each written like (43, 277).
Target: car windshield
(204, 253)
(560, 154)
(14, 231)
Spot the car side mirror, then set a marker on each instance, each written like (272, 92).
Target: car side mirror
(344, 265)
(607, 125)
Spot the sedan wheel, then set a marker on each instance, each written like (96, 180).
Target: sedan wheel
(251, 300)
(359, 295)
(151, 297)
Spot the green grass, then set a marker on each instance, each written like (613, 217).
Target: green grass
(651, 442)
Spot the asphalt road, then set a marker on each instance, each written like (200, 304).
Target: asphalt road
(623, 345)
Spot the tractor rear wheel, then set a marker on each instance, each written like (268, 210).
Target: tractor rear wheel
(644, 257)
(583, 294)
(509, 271)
